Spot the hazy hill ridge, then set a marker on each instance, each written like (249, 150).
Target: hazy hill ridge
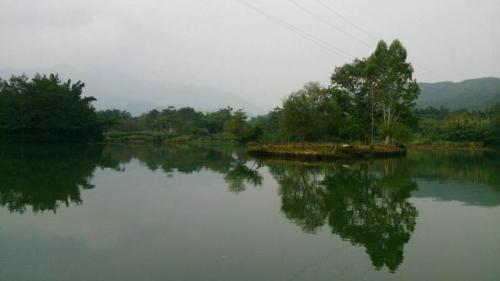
(473, 94)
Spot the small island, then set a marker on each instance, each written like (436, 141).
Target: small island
(324, 151)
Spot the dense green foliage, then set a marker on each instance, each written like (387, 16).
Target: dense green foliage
(269, 125)
(375, 98)
(183, 124)
(442, 124)
(473, 94)
(310, 113)
(368, 98)
(45, 109)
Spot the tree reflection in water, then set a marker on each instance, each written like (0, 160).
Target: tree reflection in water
(44, 177)
(363, 203)
(234, 165)
(239, 174)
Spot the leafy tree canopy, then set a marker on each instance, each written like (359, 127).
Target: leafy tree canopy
(46, 109)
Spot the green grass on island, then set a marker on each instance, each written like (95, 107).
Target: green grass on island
(326, 150)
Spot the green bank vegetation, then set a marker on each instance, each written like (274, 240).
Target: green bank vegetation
(470, 128)
(183, 125)
(369, 101)
(45, 109)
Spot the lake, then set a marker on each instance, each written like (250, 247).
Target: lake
(177, 213)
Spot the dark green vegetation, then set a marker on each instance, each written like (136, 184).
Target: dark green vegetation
(369, 98)
(44, 109)
(373, 100)
(369, 101)
(47, 177)
(473, 94)
(366, 213)
(179, 125)
(438, 125)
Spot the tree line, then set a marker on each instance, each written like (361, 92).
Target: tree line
(369, 100)
(444, 125)
(46, 109)
(180, 123)
(373, 99)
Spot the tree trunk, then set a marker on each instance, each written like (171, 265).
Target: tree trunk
(373, 116)
(387, 140)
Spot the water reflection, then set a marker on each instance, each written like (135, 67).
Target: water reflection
(365, 203)
(233, 164)
(462, 166)
(362, 203)
(240, 174)
(46, 177)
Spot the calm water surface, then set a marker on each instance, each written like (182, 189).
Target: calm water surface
(146, 213)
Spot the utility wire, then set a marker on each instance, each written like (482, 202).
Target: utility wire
(346, 19)
(364, 31)
(318, 17)
(318, 41)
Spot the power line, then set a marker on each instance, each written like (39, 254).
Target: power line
(426, 70)
(318, 17)
(318, 41)
(430, 72)
(346, 19)
(314, 39)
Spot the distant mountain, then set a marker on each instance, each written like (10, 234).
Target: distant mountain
(114, 90)
(473, 94)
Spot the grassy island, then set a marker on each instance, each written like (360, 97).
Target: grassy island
(326, 151)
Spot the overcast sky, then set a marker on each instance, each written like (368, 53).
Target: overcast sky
(259, 51)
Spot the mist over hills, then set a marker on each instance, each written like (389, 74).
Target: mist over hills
(472, 94)
(114, 90)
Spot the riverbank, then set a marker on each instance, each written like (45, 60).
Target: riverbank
(155, 137)
(320, 151)
(453, 146)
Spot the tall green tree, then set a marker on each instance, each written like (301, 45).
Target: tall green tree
(238, 127)
(309, 113)
(380, 86)
(46, 109)
(115, 119)
(396, 89)
(270, 124)
(350, 89)
(215, 120)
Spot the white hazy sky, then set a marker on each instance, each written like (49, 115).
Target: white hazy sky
(227, 45)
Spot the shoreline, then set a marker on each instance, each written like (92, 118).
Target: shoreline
(450, 147)
(320, 151)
